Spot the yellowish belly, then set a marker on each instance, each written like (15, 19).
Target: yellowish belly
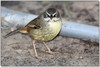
(47, 33)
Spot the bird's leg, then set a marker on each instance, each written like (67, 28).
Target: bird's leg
(36, 55)
(48, 49)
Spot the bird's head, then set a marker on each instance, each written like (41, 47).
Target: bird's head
(51, 14)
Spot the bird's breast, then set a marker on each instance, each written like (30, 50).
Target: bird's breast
(54, 27)
(48, 32)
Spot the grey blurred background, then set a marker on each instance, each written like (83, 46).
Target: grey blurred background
(17, 49)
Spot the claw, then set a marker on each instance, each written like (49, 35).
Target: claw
(37, 57)
(52, 53)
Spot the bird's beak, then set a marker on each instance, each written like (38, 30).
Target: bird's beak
(51, 18)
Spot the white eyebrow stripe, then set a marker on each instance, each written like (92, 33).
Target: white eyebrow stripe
(54, 13)
(47, 13)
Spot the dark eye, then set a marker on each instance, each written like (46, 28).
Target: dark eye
(54, 15)
(49, 15)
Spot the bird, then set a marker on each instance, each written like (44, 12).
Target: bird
(43, 28)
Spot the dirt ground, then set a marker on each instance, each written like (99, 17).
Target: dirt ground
(17, 50)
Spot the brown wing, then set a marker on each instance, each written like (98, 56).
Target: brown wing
(34, 24)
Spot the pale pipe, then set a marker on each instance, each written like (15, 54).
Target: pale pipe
(16, 19)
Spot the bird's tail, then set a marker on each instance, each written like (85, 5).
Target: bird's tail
(21, 30)
(11, 33)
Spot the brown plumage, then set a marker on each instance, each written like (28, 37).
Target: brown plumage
(43, 28)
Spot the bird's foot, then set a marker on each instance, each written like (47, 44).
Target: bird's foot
(37, 57)
(50, 52)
